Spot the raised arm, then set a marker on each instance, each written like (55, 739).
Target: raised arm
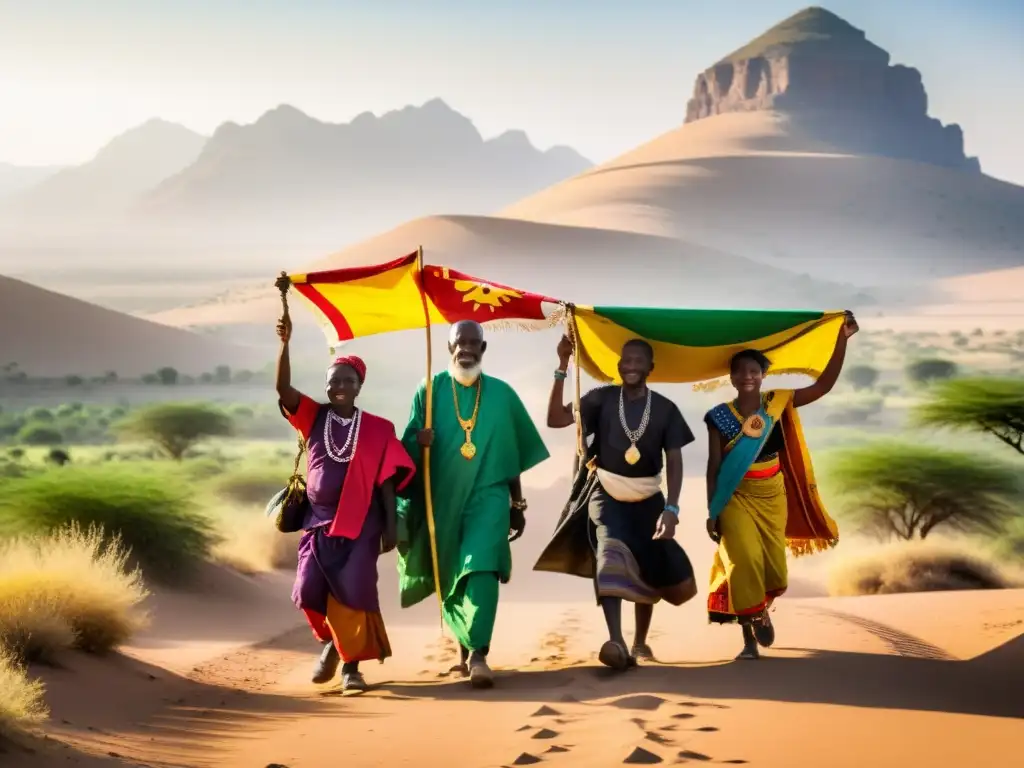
(288, 394)
(560, 414)
(714, 460)
(714, 464)
(830, 375)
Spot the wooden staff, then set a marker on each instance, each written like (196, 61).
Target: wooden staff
(570, 321)
(427, 424)
(283, 283)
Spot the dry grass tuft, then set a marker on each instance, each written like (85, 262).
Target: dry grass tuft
(70, 589)
(249, 542)
(21, 698)
(919, 566)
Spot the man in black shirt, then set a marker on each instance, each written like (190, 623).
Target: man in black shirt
(618, 511)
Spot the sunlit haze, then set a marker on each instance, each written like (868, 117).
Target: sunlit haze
(598, 75)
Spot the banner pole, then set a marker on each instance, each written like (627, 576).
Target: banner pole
(428, 424)
(574, 335)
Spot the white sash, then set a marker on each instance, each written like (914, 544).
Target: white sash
(628, 489)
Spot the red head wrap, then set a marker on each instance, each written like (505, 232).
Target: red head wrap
(355, 363)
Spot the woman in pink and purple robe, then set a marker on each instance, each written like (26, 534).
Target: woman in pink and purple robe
(355, 465)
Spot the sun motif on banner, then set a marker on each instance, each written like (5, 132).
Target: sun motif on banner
(482, 294)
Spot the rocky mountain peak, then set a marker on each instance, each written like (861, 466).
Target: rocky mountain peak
(838, 85)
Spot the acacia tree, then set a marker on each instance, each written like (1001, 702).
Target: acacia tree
(176, 427)
(862, 376)
(906, 490)
(930, 370)
(989, 406)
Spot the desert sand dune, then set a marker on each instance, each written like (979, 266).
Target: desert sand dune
(48, 334)
(758, 184)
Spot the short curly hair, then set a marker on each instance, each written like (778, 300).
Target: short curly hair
(640, 344)
(750, 354)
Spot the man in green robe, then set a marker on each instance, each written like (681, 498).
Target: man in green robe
(481, 442)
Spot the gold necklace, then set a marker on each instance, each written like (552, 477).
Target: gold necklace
(753, 425)
(468, 450)
(632, 454)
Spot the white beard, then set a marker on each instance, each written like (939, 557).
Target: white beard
(465, 376)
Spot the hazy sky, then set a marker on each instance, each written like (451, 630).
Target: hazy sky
(600, 75)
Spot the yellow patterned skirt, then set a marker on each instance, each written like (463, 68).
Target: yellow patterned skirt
(750, 569)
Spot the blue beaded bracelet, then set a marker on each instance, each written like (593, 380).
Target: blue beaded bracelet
(673, 509)
(561, 375)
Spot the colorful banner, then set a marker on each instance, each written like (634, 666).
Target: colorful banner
(690, 345)
(693, 345)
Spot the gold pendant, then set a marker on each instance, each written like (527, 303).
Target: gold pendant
(468, 450)
(632, 454)
(753, 426)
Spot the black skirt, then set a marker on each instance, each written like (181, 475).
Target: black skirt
(630, 563)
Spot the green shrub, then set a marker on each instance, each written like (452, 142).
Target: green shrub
(40, 434)
(40, 414)
(146, 505)
(58, 456)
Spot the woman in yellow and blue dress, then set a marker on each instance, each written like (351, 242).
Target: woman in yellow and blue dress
(762, 496)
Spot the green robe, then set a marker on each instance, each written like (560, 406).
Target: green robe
(470, 499)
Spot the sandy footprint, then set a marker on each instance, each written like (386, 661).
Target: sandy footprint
(546, 711)
(542, 734)
(689, 754)
(526, 759)
(641, 756)
(643, 701)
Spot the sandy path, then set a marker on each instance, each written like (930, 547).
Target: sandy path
(920, 680)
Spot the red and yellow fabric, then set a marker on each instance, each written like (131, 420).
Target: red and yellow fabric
(363, 301)
(457, 296)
